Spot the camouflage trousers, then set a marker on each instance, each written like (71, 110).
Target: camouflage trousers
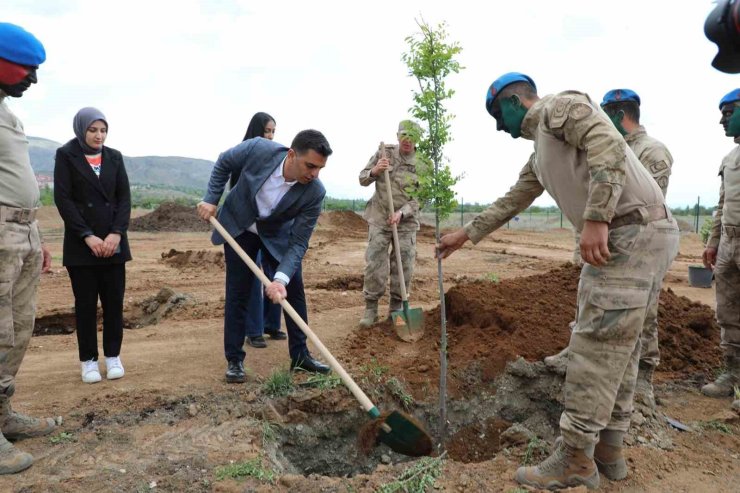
(605, 345)
(20, 270)
(650, 353)
(379, 250)
(727, 277)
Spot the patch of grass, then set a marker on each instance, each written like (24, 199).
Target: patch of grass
(719, 371)
(518, 490)
(737, 392)
(269, 433)
(324, 381)
(252, 468)
(397, 390)
(715, 425)
(535, 449)
(62, 437)
(419, 478)
(279, 383)
(492, 277)
(375, 369)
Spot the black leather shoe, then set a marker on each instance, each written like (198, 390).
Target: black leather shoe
(278, 335)
(257, 341)
(235, 372)
(307, 363)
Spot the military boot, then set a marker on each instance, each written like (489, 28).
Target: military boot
(724, 385)
(644, 388)
(371, 314)
(17, 426)
(566, 467)
(12, 460)
(608, 455)
(395, 306)
(558, 363)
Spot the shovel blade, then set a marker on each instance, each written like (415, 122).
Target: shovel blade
(407, 436)
(408, 324)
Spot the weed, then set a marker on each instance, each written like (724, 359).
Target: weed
(492, 277)
(719, 371)
(63, 437)
(535, 448)
(279, 383)
(252, 468)
(269, 433)
(397, 390)
(737, 392)
(418, 478)
(324, 381)
(375, 369)
(715, 425)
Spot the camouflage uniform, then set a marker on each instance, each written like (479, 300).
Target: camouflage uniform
(725, 237)
(584, 164)
(403, 178)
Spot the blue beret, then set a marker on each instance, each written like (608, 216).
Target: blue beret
(19, 46)
(730, 97)
(620, 96)
(498, 85)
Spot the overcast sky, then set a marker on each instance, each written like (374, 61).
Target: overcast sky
(183, 78)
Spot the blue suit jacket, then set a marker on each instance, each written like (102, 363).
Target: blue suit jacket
(287, 230)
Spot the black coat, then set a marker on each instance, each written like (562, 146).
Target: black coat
(91, 205)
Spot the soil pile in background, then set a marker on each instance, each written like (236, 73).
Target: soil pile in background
(200, 259)
(170, 216)
(346, 222)
(344, 283)
(490, 324)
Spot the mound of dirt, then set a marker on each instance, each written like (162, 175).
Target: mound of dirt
(200, 259)
(343, 283)
(170, 216)
(347, 221)
(490, 324)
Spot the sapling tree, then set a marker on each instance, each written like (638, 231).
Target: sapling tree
(431, 58)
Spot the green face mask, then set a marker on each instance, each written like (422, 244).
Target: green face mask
(733, 124)
(617, 121)
(512, 115)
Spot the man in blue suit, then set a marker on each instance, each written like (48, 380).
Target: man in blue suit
(274, 207)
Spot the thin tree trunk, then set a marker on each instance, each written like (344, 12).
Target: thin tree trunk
(442, 347)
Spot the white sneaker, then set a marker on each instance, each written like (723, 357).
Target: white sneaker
(90, 371)
(114, 368)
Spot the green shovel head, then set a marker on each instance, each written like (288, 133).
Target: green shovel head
(407, 436)
(408, 323)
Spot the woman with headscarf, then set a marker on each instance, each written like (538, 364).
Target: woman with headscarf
(91, 191)
(263, 316)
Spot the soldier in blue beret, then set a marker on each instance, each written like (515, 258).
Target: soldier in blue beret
(722, 254)
(23, 256)
(623, 108)
(628, 241)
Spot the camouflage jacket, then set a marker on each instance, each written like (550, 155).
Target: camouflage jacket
(581, 160)
(728, 209)
(403, 180)
(653, 154)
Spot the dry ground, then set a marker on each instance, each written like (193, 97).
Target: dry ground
(172, 421)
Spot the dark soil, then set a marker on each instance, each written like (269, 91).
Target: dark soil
(491, 324)
(348, 222)
(170, 216)
(200, 259)
(344, 283)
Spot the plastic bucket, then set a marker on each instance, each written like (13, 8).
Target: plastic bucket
(700, 276)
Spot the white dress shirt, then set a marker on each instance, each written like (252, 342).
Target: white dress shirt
(268, 197)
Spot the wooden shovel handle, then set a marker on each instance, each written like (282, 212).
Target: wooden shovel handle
(396, 243)
(365, 402)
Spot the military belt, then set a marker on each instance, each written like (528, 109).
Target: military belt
(17, 215)
(731, 231)
(642, 215)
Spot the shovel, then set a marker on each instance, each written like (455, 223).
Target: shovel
(408, 322)
(400, 432)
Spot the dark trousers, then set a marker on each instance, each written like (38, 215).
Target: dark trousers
(239, 285)
(262, 314)
(88, 283)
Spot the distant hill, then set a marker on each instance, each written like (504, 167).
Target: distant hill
(169, 171)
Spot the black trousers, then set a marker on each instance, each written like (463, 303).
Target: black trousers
(88, 283)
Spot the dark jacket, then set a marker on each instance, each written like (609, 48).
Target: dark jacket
(91, 205)
(287, 230)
